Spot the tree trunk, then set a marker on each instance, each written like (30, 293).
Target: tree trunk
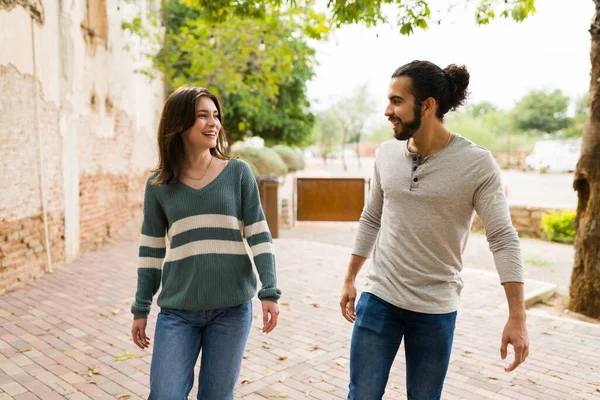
(344, 139)
(358, 152)
(585, 278)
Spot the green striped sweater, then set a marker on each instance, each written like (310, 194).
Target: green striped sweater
(192, 243)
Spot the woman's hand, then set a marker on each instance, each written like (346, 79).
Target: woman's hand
(138, 333)
(270, 314)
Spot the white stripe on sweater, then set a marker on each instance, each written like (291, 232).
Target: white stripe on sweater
(204, 221)
(262, 248)
(152, 241)
(255, 229)
(199, 247)
(150, 262)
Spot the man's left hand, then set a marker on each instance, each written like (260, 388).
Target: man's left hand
(515, 333)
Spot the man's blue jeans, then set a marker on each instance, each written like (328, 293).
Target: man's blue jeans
(180, 334)
(378, 331)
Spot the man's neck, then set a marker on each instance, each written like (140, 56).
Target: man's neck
(429, 141)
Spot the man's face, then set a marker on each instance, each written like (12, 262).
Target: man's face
(402, 111)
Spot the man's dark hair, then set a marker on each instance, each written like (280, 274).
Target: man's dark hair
(447, 86)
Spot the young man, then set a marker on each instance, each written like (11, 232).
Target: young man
(426, 187)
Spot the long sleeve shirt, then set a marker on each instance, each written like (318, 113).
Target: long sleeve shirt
(417, 222)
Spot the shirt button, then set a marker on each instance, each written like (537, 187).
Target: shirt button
(416, 180)
(414, 158)
(414, 168)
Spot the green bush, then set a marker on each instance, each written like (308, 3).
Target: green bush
(559, 226)
(291, 158)
(265, 160)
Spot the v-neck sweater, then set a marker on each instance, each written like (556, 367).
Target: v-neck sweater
(192, 244)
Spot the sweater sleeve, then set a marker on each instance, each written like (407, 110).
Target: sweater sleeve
(258, 236)
(370, 219)
(491, 206)
(152, 251)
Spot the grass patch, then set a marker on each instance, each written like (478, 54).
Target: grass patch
(539, 263)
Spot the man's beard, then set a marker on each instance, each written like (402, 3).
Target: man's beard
(408, 128)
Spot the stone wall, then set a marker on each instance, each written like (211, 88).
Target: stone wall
(525, 219)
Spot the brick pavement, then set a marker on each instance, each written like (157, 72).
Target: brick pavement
(67, 336)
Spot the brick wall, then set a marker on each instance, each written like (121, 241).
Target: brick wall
(22, 249)
(108, 203)
(112, 173)
(22, 243)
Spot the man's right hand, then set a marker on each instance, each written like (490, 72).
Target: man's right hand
(347, 301)
(138, 333)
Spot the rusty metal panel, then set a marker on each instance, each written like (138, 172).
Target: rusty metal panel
(330, 199)
(270, 202)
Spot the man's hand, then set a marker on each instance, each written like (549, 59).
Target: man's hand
(138, 333)
(270, 309)
(515, 333)
(347, 301)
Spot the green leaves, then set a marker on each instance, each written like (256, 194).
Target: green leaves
(518, 10)
(257, 57)
(258, 63)
(542, 111)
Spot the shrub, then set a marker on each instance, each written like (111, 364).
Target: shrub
(559, 226)
(291, 157)
(265, 160)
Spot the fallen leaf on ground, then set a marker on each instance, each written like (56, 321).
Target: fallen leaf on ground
(127, 356)
(315, 305)
(278, 396)
(24, 350)
(246, 381)
(124, 397)
(281, 358)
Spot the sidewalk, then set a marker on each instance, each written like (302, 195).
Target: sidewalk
(67, 336)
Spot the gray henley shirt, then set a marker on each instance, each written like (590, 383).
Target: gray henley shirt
(417, 221)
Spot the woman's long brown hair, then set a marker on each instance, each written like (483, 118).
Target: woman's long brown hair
(178, 115)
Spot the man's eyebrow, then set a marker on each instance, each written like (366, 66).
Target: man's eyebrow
(396, 97)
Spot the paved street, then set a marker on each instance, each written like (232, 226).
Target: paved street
(67, 336)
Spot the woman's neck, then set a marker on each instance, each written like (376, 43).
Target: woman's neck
(196, 158)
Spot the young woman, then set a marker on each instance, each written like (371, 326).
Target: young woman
(204, 203)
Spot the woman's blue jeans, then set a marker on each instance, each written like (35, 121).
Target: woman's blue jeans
(221, 334)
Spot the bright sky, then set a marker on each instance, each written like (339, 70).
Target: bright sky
(548, 51)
